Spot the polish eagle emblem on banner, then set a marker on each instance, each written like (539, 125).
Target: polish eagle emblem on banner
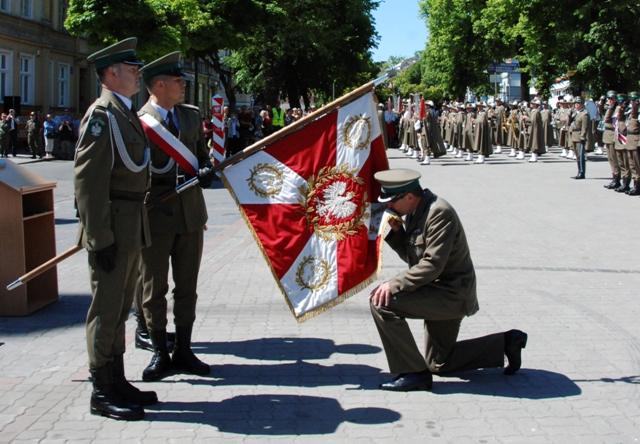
(311, 202)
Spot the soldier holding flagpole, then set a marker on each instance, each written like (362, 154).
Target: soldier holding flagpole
(178, 153)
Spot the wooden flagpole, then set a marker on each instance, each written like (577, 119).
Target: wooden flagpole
(73, 250)
(259, 145)
(295, 126)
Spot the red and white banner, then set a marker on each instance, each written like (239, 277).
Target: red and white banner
(311, 201)
(170, 144)
(217, 139)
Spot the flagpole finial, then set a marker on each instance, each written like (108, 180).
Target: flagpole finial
(395, 70)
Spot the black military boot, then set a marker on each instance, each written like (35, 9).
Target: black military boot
(615, 182)
(514, 342)
(106, 402)
(127, 391)
(635, 191)
(143, 341)
(624, 186)
(160, 365)
(183, 358)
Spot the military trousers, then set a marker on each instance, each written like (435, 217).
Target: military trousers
(183, 251)
(581, 157)
(443, 352)
(634, 164)
(613, 160)
(623, 161)
(112, 297)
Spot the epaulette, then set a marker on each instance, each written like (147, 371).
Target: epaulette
(101, 102)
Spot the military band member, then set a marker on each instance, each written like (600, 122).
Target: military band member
(482, 134)
(177, 226)
(609, 139)
(467, 131)
(547, 129)
(536, 132)
(438, 287)
(579, 134)
(111, 179)
(523, 129)
(499, 115)
(458, 130)
(513, 129)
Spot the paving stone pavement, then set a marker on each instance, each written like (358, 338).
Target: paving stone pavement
(554, 256)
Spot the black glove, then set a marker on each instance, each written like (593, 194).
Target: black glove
(106, 258)
(205, 176)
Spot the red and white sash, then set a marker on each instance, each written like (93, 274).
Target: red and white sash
(170, 144)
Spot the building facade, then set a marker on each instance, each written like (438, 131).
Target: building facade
(42, 67)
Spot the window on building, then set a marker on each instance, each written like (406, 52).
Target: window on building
(64, 71)
(62, 13)
(5, 74)
(26, 8)
(27, 70)
(5, 5)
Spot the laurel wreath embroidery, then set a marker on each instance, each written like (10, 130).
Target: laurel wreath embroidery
(319, 276)
(309, 200)
(353, 126)
(266, 180)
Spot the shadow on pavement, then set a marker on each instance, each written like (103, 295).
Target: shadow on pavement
(271, 414)
(294, 374)
(626, 379)
(526, 384)
(283, 349)
(60, 221)
(71, 309)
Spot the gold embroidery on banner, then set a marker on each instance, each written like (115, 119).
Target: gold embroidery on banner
(332, 208)
(313, 273)
(356, 132)
(266, 180)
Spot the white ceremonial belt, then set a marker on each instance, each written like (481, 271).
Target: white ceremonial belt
(169, 144)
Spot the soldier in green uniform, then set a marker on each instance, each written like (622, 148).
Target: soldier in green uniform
(579, 134)
(439, 287)
(620, 144)
(111, 179)
(499, 116)
(536, 132)
(609, 139)
(633, 139)
(177, 225)
(33, 135)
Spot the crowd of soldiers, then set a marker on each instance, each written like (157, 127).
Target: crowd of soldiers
(526, 131)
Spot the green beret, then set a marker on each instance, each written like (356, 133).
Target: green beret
(396, 182)
(122, 52)
(168, 65)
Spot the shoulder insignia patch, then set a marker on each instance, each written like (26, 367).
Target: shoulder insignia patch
(96, 126)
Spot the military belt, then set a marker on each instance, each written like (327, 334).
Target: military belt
(127, 195)
(168, 181)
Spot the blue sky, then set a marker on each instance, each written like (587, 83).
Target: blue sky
(402, 31)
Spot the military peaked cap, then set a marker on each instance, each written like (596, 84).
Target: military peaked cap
(122, 52)
(167, 65)
(396, 182)
(634, 95)
(611, 94)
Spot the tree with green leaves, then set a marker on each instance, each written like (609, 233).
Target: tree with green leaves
(278, 47)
